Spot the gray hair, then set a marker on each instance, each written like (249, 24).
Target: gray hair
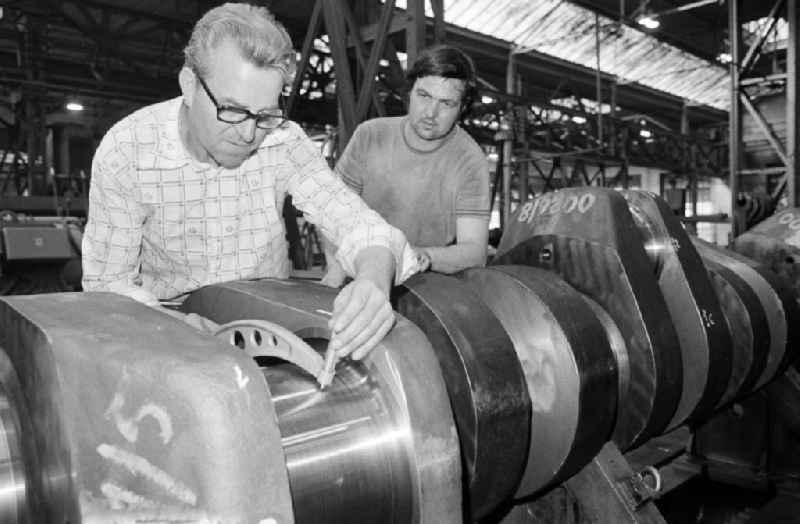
(260, 38)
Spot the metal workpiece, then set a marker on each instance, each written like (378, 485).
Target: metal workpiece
(588, 237)
(772, 248)
(737, 286)
(775, 243)
(570, 369)
(17, 458)
(485, 382)
(780, 306)
(617, 345)
(130, 413)
(377, 445)
(693, 306)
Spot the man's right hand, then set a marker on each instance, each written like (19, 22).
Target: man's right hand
(193, 319)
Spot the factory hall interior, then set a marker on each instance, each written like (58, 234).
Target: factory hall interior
(399, 261)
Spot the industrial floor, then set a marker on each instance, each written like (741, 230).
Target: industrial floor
(702, 501)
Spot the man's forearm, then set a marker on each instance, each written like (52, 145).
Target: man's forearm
(452, 259)
(377, 264)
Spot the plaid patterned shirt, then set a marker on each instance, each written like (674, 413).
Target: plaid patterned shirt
(163, 221)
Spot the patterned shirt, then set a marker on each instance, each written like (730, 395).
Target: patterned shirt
(163, 221)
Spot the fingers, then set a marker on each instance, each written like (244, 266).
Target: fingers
(193, 319)
(201, 323)
(375, 323)
(346, 306)
(362, 316)
(364, 349)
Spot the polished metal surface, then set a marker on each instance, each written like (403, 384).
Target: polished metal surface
(485, 383)
(692, 304)
(737, 315)
(747, 319)
(13, 481)
(346, 456)
(132, 414)
(379, 444)
(587, 237)
(774, 310)
(617, 344)
(772, 249)
(775, 243)
(569, 368)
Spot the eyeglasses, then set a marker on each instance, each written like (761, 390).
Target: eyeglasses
(237, 115)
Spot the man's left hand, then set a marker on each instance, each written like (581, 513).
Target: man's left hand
(362, 316)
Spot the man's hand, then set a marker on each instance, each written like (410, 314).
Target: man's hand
(362, 314)
(193, 319)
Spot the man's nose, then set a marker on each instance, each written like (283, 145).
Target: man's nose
(432, 109)
(247, 130)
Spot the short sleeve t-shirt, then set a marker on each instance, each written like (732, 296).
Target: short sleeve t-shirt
(420, 193)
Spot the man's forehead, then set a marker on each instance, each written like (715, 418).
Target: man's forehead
(441, 87)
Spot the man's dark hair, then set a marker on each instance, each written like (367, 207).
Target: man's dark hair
(448, 62)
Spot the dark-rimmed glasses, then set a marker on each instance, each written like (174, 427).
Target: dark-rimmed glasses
(236, 115)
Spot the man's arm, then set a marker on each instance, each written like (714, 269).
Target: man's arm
(362, 315)
(371, 251)
(472, 237)
(334, 272)
(350, 169)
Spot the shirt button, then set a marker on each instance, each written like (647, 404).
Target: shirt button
(229, 229)
(193, 230)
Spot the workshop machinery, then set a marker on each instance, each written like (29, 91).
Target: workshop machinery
(596, 365)
(39, 254)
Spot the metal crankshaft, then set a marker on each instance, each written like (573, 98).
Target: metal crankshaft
(600, 321)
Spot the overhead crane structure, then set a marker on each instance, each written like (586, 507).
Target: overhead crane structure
(117, 56)
(766, 99)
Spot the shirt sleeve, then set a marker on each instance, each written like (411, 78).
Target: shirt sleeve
(341, 215)
(474, 195)
(351, 164)
(113, 235)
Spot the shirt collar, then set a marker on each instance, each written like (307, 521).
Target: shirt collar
(170, 153)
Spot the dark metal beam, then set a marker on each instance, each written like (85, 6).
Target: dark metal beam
(368, 87)
(735, 117)
(764, 126)
(335, 25)
(371, 69)
(415, 29)
(438, 20)
(308, 44)
(792, 110)
(755, 49)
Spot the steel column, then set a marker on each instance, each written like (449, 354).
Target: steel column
(735, 117)
(792, 116)
(415, 29)
(334, 24)
(438, 21)
(308, 42)
(508, 144)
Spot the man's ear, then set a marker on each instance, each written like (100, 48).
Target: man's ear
(187, 79)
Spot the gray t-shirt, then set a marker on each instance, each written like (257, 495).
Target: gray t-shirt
(420, 193)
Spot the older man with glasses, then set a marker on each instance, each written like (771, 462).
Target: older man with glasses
(189, 192)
